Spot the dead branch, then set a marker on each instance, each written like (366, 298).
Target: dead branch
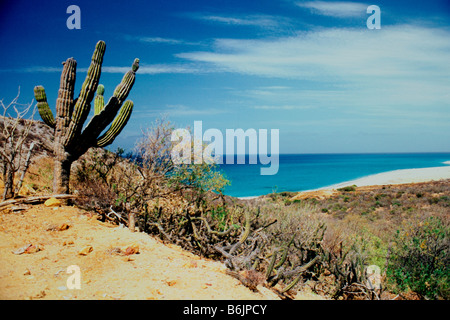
(36, 199)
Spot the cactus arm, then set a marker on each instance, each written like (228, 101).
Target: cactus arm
(123, 89)
(117, 125)
(83, 104)
(99, 122)
(64, 102)
(300, 271)
(43, 107)
(99, 101)
(271, 264)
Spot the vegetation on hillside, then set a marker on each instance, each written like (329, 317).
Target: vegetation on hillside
(321, 244)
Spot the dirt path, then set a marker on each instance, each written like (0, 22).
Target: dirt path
(157, 272)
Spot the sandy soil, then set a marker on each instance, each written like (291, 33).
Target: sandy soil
(158, 271)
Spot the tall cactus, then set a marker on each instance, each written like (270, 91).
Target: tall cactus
(71, 141)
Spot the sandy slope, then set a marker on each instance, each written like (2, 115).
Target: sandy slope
(157, 272)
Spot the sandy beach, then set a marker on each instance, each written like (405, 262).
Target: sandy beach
(398, 177)
(391, 177)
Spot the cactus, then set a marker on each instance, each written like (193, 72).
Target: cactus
(43, 107)
(71, 141)
(117, 125)
(99, 102)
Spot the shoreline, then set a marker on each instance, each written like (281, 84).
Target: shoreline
(400, 176)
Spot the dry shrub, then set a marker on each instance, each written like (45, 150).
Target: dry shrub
(181, 204)
(280, 246)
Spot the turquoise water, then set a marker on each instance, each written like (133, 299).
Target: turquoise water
(299, 172)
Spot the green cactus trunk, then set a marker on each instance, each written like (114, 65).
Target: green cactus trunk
(71, 141)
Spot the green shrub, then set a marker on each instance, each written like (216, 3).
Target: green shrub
(419, 259)
(349, 188)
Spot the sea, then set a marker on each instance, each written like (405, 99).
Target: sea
(301, 172)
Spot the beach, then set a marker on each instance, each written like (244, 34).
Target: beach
(398, 177)
(393, 177)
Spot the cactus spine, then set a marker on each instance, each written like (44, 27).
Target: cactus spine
(71, 141)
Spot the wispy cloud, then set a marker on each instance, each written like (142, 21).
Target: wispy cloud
(335, 9)
(157, 40)
(182, 110)
(250, 20)
(160, 40)
(34, 69)
(160, 68)
(149, 69)
(400, 67)
(282, 107)
(179, 110)
(394, 51)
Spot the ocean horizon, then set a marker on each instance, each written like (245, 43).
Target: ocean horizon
(301, 172)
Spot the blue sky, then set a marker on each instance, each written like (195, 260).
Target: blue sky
(311, 69)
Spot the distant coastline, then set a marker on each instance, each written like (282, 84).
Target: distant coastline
(398, 177)
(393, 177)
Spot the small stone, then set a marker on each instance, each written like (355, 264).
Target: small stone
(171, 283)
(52, 202)
(22, 249)
(86, 250)
(33, 249)
(132, 249)
(63, 227)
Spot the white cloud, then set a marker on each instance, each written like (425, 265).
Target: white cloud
(182, 110)
(335, 9)
(401, 67)
(160, 40)
(34, 69)
(149, 69)
(177, 110)
(282, 107)
(331, 54)
(153, 40)
(251, 20)
(158, 69)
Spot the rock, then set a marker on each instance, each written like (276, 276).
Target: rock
(52, 202)
(86, 250)
(22, 249)
(29, 248)
(132, 249)
(33, 249)
(63, 227)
